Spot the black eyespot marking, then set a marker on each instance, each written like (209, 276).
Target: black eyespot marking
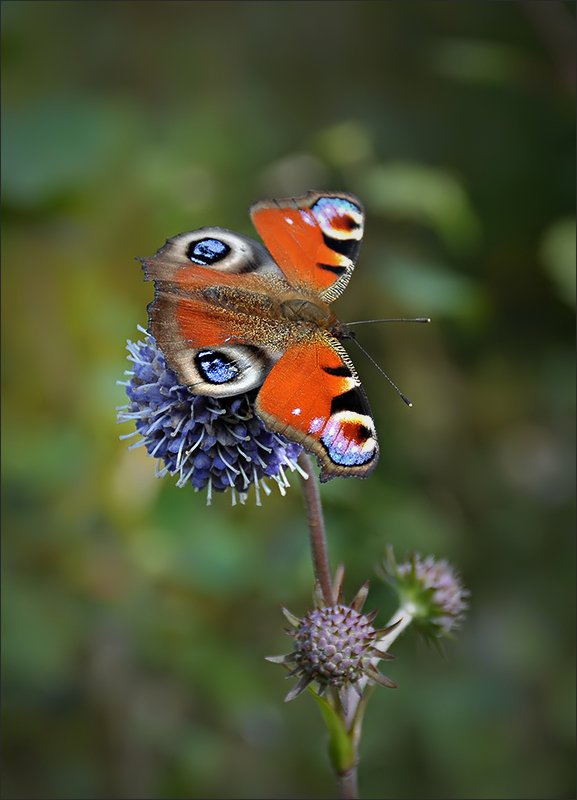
(346, 247)
(215, 367)
(353, 400)
(336, 270)
(364, 433)
(207, 251)
(350, 224)
(340, 372)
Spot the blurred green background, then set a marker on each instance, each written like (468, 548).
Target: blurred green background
(136, 619)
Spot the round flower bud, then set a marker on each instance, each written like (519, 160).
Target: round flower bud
(335, 646)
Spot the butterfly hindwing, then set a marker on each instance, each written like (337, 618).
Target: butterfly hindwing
(315, 239)
(207, 343)
(313, 395)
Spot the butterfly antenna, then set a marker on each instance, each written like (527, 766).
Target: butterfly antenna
(381, 370)
(396, 319)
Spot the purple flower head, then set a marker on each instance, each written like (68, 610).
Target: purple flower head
(212, 443)
(429, 590)
(335, 646)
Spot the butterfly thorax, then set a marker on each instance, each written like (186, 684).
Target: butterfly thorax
(295, 312)
(301, 309)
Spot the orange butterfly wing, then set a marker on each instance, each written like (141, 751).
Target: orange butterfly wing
(313, 396)
(314, 239)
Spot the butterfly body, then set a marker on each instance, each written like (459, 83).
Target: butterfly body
(231, 316)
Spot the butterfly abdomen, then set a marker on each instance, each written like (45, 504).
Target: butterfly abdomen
(240, 301)
(293, 314)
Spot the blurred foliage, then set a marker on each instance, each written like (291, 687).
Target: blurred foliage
(136, 619)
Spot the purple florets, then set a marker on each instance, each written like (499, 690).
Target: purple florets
(212, 443)
(334, 645)
(428, 589)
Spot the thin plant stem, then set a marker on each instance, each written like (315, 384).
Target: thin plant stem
(318, 537)
(346, 781)
(347, 784)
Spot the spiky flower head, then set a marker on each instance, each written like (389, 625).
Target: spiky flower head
(212, 443)
(335, 646)
(429, 590)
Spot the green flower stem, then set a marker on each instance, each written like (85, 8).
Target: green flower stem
(341, 752)
(318, 538)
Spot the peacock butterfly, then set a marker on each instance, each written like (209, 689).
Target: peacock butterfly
(230, 316)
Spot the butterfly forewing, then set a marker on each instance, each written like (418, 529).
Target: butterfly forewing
(314, 239)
